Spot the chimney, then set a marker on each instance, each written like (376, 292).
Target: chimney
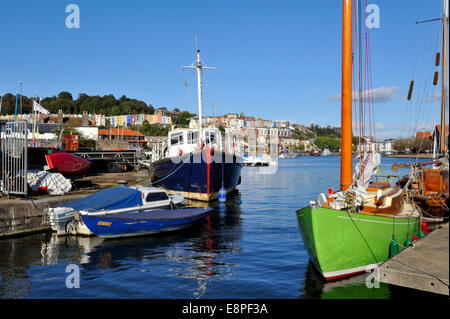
(60, 116)
(85, 120)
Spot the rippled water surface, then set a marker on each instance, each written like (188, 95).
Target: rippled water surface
(251, 247)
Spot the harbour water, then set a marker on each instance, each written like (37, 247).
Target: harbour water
(250, 247)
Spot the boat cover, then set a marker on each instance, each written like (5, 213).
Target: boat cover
(156, 214)
(56, 183)
(108, 199)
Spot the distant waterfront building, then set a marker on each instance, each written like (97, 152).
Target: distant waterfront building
(426, 135)
(133, 137)
(385, 146)
(437, 134)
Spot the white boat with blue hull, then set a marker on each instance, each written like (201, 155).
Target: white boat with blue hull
(66, 220)
(198, 163)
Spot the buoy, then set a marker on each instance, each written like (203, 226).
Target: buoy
(393, 247)
(408, 242)
(180, 152)
(424, 227)
(421, 234)
(415, 238)
(222, 195)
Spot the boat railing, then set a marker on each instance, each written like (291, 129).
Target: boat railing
(159, 150)
(385, 178)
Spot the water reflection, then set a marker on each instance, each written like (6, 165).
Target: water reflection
(187, 254)
(315, 287)
(249, 247)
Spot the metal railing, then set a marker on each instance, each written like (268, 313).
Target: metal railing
(14, 158)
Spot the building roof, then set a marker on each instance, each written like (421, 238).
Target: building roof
(424, 135)
(438, 128)
(121, 132)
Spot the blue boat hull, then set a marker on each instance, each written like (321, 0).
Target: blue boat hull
(198, 175)
(144, 223)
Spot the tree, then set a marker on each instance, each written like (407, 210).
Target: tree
(401, 145)
(331, 143)
(64, 95)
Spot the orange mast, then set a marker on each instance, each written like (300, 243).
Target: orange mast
(346, 100)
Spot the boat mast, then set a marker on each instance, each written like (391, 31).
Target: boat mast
(199, 67)
(346, 100)
(444, 76)
(199, 97)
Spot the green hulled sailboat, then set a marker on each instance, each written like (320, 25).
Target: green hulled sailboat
(355, 229)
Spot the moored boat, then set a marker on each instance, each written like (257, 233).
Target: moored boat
(198, 164)
(143, 223)
(429, 186)
(65, 219)
(67, 164)
(342, 243)
(364, 223)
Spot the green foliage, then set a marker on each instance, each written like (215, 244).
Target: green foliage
(326, 131)
(182, 119)
(417, 145)
(298, 134)
(331, 143)
(9, 104)
(106, 105)
(151, 129)
(67, 129)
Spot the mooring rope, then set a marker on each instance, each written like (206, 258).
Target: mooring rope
(173, 172)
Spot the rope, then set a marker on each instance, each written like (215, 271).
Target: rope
(365, 241)
(42, 211)
(173, 172)
(401, 244)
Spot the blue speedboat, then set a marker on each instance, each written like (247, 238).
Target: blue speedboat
(65, 219)
(143, 222)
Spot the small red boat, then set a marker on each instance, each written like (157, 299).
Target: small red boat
(67, 164)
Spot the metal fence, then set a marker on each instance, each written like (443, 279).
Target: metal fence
(13, 157)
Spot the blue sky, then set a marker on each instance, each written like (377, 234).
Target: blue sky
(275, 59)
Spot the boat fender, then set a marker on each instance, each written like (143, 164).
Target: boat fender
(222, 195)
(408, 242)
(393, 247)
(424, 227)
(180, 152)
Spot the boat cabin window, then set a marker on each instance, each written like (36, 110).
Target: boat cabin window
(176, 139)
(210, 138)
(151, 197)
(192, 137)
